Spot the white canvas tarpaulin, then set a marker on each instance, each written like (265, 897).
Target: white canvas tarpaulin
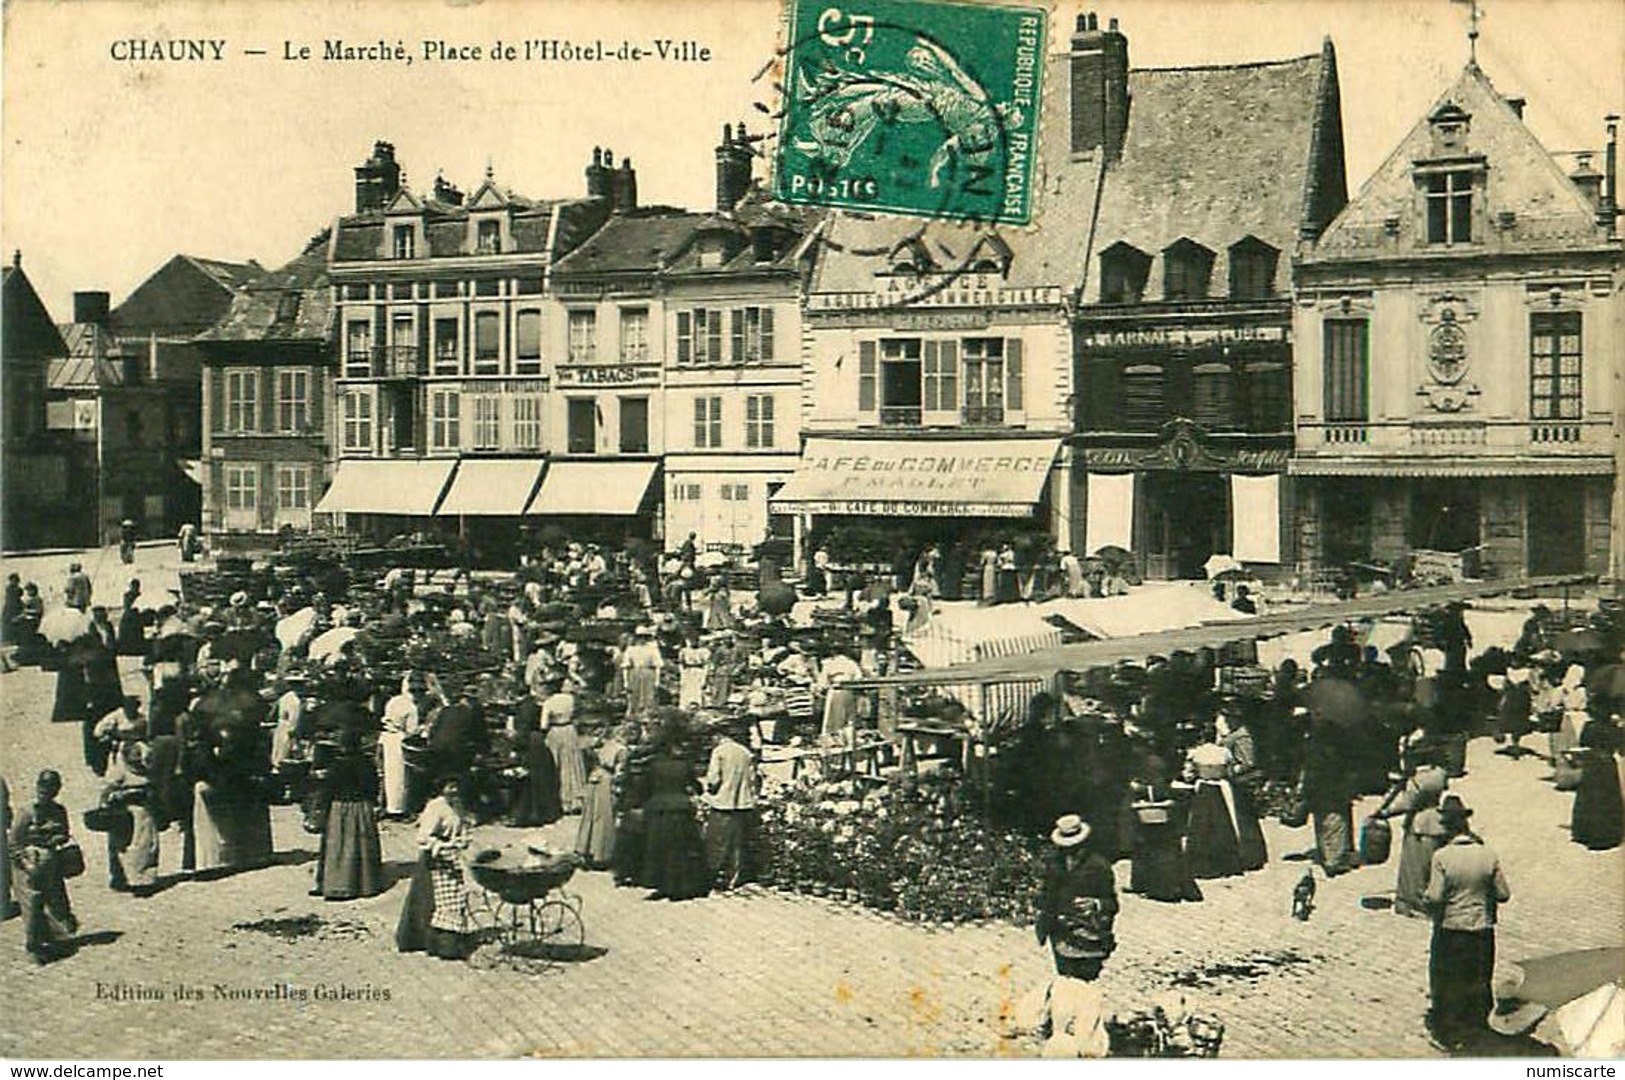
(1255, 514)
(1109, 513)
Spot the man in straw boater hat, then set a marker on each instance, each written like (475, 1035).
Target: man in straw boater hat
(730, 785)
(1465, 887)
(1078, 903)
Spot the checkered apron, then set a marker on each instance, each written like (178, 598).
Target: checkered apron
(450, 898)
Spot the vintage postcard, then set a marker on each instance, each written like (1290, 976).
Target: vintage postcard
(989, 529)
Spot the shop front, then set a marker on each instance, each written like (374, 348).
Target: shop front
(879, 502)
(381, 499)
(486, 501)
(604, 502)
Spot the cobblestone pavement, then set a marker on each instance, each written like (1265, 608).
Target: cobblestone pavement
(755, 972)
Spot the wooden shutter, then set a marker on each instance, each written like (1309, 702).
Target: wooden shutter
(713, 337)
(931, 376)
(1015, 398)
(266, 378)
(685, 338)
(868, 375)
(767, 334)
(316, 421)
(948, 376)
(736, 318)
(216, 378)
(266, 496)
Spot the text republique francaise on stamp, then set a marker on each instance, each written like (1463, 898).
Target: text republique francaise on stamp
(912, 107)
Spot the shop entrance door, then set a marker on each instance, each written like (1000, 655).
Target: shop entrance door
(1556, 519)
(1186, 520)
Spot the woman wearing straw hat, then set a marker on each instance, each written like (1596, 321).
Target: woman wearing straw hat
(1078, 903)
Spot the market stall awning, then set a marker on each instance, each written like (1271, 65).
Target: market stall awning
(491, 488)
(412, 488)
(918, 477)
(1458, 466)
(611, 488)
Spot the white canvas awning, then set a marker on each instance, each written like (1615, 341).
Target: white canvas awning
(491, 488)
(919, 477)
(610, 488)
(410, 488)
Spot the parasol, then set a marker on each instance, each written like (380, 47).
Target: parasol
(1222, 564)
(1111, 553)
(710, 560)
(289, 630)
(63, 625)
(329, 644)
(1583, 991)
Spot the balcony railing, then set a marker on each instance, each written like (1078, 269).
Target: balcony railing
(900, 416)
(398, 362)
(1343, 433)
(1555, 432)
(983, 415)
(1452, 434)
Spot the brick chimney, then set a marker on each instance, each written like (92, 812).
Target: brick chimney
(733, 167)
(377, 179)
(447, 192)
(623, 193)
(91, 307)
(1099, 91)
(1608, 205)
(598, 174)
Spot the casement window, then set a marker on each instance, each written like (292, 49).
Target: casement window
(357, 415)
(707, 423)
(1144, 397)
(985, 380)
(447, 355)
(358, 348)
(735, 492)
(901, 383)
(1213, 396)
(242, 401)
(634, 425)
(1252, 269)
(1186, 269)
(489, 237)
(583, 326)
(242, 487)
(292, 487)
(445, 419)
(526, 411)
(582, 426)
(527, 346)
(1449, 197)
(1347, 375)
(488, 343)
(682, 492)
(634, 335)
(1123, 272)
(292, 401)
(939, 387)
(759, 421)
(1554, 365)
(752, 335)
(404, 242)
(487, 422)
(1269, 397)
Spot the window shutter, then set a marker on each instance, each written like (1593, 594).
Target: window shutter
(699, 422)
(713, 337)
(866, 377)
(948, 377)
(932, 378)
(266, 496)
(736, 319)
(767, 334)
(1015, 398)
(265, 378)
(217, 399)
(685, 339)
(316, 416)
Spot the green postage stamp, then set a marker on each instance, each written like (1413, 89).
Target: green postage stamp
(920, 107)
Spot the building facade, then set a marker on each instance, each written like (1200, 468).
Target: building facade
(268, 421)
(35, 482)
(1459, 349)
(1183, 334)
(441, 318)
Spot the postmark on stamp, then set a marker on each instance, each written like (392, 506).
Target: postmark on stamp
(919, 107)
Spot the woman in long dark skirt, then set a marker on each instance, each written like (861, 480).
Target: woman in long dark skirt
(536, 800)
(629, 789)
(1160, 870)
(1599, 807)
(674, 863)
(350, 863)
(1211, 844)
(132, 623)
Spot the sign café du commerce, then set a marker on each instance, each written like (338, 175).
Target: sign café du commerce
(906, 478)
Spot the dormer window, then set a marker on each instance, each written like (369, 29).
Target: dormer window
(1449, 124)
(1186, 269)
(911, 258)
(488, 237)
(1252, 269)
(1449, 197)
(404, 242)
(1123, 272)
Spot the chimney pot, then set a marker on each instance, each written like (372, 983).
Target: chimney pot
(91, 307)
(1112, 26)
(1099, 89)
(1517, 104)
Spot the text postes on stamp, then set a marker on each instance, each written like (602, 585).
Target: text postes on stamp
(920, 107)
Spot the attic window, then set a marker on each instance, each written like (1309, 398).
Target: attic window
(1449, 197)
(1449, 124)
(986, 266)
(911, 257)
(1252, 269)
(711, 252)
(489, 240)
(1123, 272)
(287, 309)
(1186, 269)
(405, 242)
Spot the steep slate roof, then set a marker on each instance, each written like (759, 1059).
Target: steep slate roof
(181, 298)
(1523, 178)
(1215, 154)
(855, 246)
(26, 330)
(641, 241)
(261, 312)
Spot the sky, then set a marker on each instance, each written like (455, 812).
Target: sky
(112, 166)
